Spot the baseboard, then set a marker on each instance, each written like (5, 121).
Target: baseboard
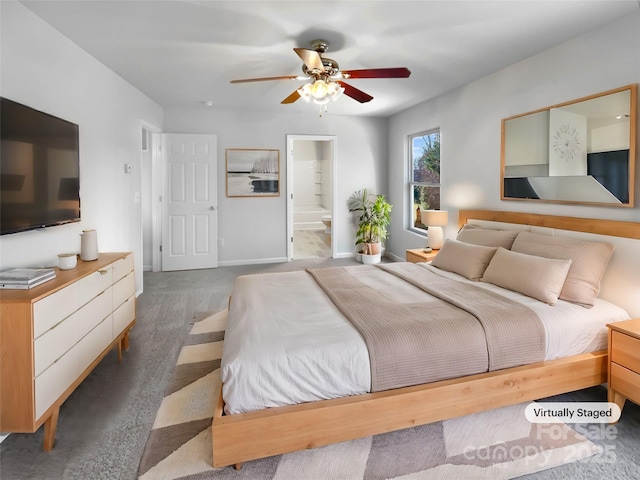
(254, 261)
(395, 257)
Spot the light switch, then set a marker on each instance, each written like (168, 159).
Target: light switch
(127, 168)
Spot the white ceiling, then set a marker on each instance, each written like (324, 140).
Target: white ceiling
(181, 53)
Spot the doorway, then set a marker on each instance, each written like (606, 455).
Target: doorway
(311, 199)
(189, 202)
(178, 196)
(150, 193)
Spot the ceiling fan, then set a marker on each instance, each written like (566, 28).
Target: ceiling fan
(327, 78)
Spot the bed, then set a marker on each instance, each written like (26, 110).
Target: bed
(338, 408)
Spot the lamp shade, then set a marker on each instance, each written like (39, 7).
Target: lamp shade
(435, 218)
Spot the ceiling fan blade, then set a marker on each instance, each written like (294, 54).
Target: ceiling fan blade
(356, 94)
(291, 98)
(311, 58)
(377, 73)
(264, 79)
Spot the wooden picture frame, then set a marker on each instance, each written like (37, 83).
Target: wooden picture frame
(252, 172)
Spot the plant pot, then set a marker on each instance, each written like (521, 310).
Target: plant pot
(374, 248)
(370, 259)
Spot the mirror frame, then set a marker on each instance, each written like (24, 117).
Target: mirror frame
(632, 148)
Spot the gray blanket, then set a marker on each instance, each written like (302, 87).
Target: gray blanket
(468, 330)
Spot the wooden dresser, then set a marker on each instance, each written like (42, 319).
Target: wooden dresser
(624, 362)
(53, 335)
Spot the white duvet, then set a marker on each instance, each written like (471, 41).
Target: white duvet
(286, 342)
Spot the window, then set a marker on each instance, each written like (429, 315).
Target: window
(424, 184)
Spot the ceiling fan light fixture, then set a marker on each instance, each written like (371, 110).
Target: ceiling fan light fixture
(320, 91)
(325, 79)
(334, 90)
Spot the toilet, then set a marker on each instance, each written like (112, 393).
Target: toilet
(326, 220)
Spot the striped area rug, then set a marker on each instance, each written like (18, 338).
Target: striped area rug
(497, 444)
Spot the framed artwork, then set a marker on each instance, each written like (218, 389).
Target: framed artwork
(253, 172)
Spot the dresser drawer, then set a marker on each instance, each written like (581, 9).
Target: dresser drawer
(54, 381)
(625, 382)
(65, 370)
(123, 290)
(122, 267)
(55, 342)
(52, 309)
(94, 343)
(625, 351)
(123, 316)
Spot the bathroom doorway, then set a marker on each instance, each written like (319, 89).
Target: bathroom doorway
(310, 202)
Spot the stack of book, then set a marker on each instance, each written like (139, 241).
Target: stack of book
(23, 278)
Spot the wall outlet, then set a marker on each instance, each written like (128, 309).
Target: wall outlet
(127, 168)
(221, 242)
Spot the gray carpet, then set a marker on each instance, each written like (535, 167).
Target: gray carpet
(105, 423)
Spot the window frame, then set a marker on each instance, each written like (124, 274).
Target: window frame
(411, 183)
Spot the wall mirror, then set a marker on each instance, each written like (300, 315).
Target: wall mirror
(582, 151)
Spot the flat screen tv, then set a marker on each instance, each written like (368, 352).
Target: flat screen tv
(39, 169)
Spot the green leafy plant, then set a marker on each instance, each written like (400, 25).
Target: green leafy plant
(373, 213)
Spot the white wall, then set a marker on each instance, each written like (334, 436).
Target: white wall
(312, 174)
(307, 163)
(255, 229)
(43, 69)
(469, 119)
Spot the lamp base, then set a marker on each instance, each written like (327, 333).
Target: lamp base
(435, 237)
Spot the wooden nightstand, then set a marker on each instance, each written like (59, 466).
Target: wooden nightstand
(624, 361)
(419, 255)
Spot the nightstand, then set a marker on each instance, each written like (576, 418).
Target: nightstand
(624, 361)
(419, 255)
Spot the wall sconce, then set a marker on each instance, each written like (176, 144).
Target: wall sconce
(435, 220)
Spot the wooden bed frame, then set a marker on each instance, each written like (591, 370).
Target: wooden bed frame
(249, 436)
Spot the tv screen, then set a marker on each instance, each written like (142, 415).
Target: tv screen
(39, 169)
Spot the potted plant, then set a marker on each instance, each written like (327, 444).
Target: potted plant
(373, 214)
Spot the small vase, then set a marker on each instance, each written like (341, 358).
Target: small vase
(89, 245)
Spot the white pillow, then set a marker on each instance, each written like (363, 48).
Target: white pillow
(589, 261)
(537, 277)
(464, 259)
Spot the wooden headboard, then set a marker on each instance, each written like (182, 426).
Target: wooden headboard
(621, 282)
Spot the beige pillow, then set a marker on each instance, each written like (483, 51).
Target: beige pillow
(464, 259)
(589, 261)
(487, 237)
(537, 277)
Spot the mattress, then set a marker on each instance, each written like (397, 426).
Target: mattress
(286, 343)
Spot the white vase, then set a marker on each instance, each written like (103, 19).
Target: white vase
(89, 245)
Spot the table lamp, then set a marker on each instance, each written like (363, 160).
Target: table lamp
(435, 220)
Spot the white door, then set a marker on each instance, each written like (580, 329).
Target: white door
(189, 202)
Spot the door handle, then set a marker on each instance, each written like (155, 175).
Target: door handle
(212, 207)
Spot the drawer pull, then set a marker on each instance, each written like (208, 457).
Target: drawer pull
(103, 272)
